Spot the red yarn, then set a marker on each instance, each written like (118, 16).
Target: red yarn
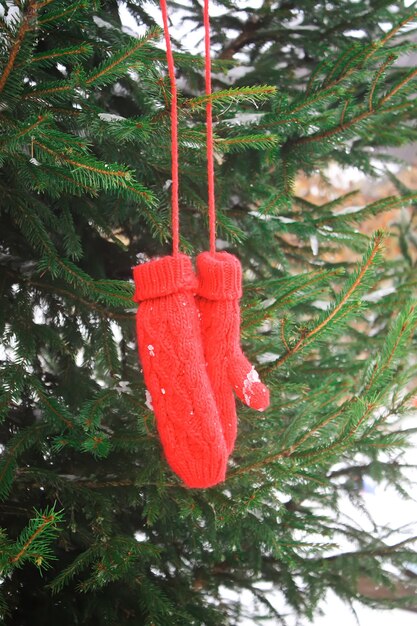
(219, 290)
(174, 370)
(209, 132)
(175, 214)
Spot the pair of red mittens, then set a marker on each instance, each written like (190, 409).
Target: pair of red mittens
(192, 361)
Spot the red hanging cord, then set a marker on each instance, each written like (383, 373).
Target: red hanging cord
(174, 132)
(175, 215)
(209, 131)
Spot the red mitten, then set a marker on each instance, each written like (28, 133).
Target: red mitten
(170, 349)
(219, 290)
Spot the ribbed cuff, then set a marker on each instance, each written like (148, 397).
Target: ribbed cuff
(219, 276)
(163, 277)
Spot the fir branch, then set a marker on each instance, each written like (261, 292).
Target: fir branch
(400, 331)
(111, 292)
(377, 77)
(398, 86)
(343, 112)
(318, 96)
(258, 142)
(372, 551)
(68, 12)
(24, 131)
(347, 66)
(105, 290)
(25, 27)
(58, 87)
(391, 33)
(82, 51)
(340, 128)
(47, 520)
(258, 93)
(368, 52)
(108, 67)
(120, 174)
(55, 289)
(34, 540)
(310, 433)
(308, 336)
(20, 442)
(44, 3)
(81, 562)
(364, 115)
(53, 406)
(345, 439)
(282, 334)
(82, 187)
(97, 169)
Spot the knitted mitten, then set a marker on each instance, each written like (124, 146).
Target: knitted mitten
(171, 353)
(219, 290)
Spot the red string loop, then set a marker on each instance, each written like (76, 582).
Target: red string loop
(175, 214)
(174, 132)
(209, 131)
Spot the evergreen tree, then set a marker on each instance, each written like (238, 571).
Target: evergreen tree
(95, 527)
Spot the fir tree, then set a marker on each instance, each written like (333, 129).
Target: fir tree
(95, 527)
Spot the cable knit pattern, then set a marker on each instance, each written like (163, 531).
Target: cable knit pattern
(172, 358)
(219, 290)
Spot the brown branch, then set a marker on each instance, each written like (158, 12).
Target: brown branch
(245, 36)
(24, 28)
(47, 520)
(343, 113)
(283, 339)
(395, 89)
(40, 92)
(390, 34)
(375, 81)
(399, 590)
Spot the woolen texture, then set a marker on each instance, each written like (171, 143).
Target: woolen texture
(171, 353)
(219, 289)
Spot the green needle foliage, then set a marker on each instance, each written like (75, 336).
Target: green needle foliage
(95, 528)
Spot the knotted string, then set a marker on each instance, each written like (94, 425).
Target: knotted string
(174, 132)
